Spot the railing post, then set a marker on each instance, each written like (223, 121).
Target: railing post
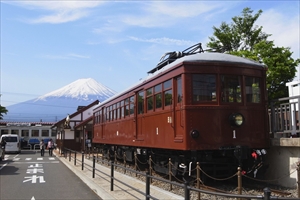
(267, 194)
(186, 191)
(198, 179)
(112, 176)
(298, 181)
(124, 160)
(170, 173)
(94, 166)
(147, 186)
(272, 119)
(135, 163)
(150, 168)
(75, 158)
(70, 156)
(116, 159)
(239, 173)
(82, 161)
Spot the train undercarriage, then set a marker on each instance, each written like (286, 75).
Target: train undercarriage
(212, 163)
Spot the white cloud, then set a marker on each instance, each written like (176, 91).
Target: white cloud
(168, 13)
(164, 41)
(285, 29)
(68, 56)
(60, 11)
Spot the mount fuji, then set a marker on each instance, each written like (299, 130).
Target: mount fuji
(56, 105)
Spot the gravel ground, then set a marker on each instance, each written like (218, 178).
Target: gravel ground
(227, 187)
(285, 193)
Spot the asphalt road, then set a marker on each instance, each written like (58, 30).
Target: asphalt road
(28, 176)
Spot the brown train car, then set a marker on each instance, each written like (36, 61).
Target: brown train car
(193, 107)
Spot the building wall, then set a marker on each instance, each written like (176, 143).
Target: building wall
(27, 130)
(283, 165)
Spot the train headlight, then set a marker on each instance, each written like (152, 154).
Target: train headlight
(236, 119)
(195, 134)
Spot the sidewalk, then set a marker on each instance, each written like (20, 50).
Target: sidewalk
(101, 183)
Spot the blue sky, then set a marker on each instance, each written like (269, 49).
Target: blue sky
(46, 45)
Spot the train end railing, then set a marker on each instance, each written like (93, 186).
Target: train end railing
(284, 118)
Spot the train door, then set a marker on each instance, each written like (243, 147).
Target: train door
(139, 111)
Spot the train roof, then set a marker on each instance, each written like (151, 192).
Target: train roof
(197, 57)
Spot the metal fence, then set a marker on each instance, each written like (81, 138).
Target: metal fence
(71, 154)
(284, 117)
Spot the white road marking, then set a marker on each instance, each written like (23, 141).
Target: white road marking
(33, 198)
(3, 166)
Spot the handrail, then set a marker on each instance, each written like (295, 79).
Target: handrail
(284, 117)
(185, 186)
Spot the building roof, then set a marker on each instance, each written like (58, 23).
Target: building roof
(82, 109)
(84, 122)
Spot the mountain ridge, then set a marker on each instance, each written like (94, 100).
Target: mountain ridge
(57, 104)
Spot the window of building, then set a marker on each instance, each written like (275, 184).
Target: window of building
(53, 133)
(45, 133)
(231, 89)
(204, 88)
(15, 131)
(4, 132)
(24, 133)
(35, 133)
(253, 94)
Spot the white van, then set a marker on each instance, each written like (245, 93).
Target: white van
(12, 143)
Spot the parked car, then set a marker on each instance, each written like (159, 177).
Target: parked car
(33, 142)
(12, 143)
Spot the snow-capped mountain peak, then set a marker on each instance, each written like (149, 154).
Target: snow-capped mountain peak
(80, 89)
(56, 105)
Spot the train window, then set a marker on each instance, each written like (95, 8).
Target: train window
(157, 88)
(231, 89)
(167, 84)
(149, 99)
(122, 109)
(141, 102)
(107, 114)
(204, 87)
(126, 107)
(131, 106)
(179, 89)
(157, 96)
(149, 91)
(168, 97)
(158, 102)
(253, 90)
(167, 92)
(118, 110)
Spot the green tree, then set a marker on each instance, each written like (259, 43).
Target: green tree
(241, 38)
(281, 66)
(3, 110)
(239, 35)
